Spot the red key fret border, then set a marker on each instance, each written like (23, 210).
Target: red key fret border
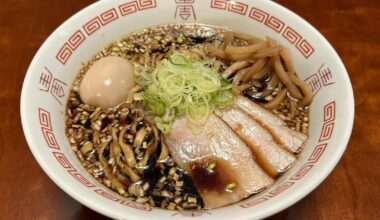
(274, 23)
(93, 25)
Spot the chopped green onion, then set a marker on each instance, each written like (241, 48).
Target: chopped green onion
(211, 165)
(179, 59)
(230, 186)
(121, 191)
(183, 86)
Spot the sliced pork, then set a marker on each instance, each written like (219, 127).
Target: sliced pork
(273, 158)
(288, 138)
(220, 163)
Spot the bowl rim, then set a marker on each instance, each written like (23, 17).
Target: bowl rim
(282, 204)
(24, 111)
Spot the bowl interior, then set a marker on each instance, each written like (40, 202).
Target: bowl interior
(56, 64)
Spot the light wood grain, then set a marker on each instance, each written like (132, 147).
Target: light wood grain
(352, 191)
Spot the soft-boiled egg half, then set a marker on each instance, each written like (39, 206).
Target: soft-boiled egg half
(107, 82)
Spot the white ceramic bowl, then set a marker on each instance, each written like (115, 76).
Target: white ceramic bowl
(56, 64)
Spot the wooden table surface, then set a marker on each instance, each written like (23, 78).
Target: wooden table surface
(352, 191)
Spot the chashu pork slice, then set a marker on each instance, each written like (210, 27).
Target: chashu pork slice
(293, 141)
(273, 158)
(221, 165)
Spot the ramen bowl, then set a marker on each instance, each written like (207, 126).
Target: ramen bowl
(56, 64)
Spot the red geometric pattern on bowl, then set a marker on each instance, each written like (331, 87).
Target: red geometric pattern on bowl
(44, 118)
(291, 35)
(70, 46)
(94, 24)
(64, 53)
(302, 171)
(50, 138)
(81, 178)
(329, 112)
(184, 1)
(258, 15)
(145, 4)
(128, 8)
(279, 189)
(328, 122)
(106, 195)
(327, 131)
(61, 158)
(235, 7)
(317, 153)
(99, 21)
(305, 48)
(76, 39)
(46, 128)
(276, 24)
(65, 163)
(134, 6)
(314, 157)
